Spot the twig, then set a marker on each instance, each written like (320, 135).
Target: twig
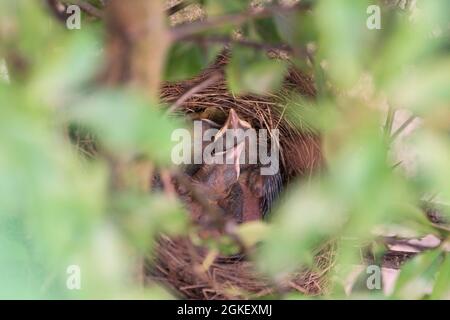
(389, 121)
(397, 164)
(186, 30)
(242, 42)
(59, 14)
(402, 127)
(94, 11)
(195, 89)
(178, 7)
(86, 7)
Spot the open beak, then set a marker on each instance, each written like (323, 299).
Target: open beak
(233, 123)
(233, 154)
(236, 155)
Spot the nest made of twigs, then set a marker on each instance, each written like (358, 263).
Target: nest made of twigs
(191, 273)
(190, 270)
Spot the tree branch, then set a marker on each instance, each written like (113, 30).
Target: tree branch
(86, 7)
(243, 42)
(188, 29)
(402, 127)
(178, 7)
(389, 121)
(57, 12)
(137, 45)
(195, 89)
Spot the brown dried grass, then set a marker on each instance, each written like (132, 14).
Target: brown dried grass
(186, 270)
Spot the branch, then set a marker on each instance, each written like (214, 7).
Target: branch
(137, 44)
(86, 7)
(95, 12)
(402, 127)
(389, 121)
(178, 7)
(59, 14)
(246, 43)
(186, 30)
(195, 89)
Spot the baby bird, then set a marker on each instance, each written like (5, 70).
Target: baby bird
(257, 192)
(236, 189)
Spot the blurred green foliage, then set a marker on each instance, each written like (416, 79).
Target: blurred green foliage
(57, 210)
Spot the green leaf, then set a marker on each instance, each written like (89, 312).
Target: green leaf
(127, 124)
(345, 41)
(410, 42)
(294, 33)
(253, 232)
(28, 21)
(67, 69)
(185, 60)
(418, 275)
(253, 72)
(433, 169)
(441, 289)
(143, 217)
(49, 201)
(217, 8)
(267, 30)
(307, 216)
(422, 89)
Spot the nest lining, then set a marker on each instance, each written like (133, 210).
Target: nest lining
(180, 265)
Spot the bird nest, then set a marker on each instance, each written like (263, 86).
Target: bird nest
(193, 273)
(300, 149)
(191, 270)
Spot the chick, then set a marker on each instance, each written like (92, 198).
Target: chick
(257, 192)
(236, 189)
(206, 124)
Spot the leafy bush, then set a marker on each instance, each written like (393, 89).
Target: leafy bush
(59, 207)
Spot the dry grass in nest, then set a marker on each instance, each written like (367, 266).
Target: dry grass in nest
(188, 271)
(192, 272)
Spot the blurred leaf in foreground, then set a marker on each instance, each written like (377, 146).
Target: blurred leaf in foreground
(127, 124)
(250, 71)
(416, 278)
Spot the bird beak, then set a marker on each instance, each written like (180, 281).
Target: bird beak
(233, 155)
(233, 123)
(236, 155)
(233, 120)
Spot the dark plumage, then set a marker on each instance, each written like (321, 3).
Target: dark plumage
(238, 189)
